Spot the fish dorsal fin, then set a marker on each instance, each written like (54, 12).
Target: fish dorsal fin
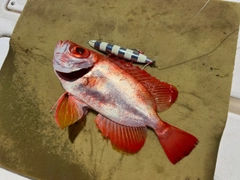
(124, 138)
(68, 111)
(163, 93)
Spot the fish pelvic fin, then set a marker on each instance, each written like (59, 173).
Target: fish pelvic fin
(68, 110)
(176, 143)
(124, 138)
(163, 93)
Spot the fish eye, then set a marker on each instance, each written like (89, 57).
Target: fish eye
(79, 50)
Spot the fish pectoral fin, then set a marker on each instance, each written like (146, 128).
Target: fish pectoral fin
(163, 93)
(69, 110)
(124, 138)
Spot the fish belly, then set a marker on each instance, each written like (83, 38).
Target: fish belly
(115, 94)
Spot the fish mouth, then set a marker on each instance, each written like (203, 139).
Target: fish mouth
(73, 76)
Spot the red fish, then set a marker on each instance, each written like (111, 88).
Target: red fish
(126, 98)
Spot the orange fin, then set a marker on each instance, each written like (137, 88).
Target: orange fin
(163, 93)
(176, 143)
(124, 138)
(68, 111)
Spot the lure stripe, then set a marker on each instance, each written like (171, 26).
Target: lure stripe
(121, 52)
(142, 58)
(97, 44)
(134, 57)
(115, 50)
(103, 46)
(109, 48)
(127, 54)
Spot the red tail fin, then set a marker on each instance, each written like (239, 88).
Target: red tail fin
(176, 143)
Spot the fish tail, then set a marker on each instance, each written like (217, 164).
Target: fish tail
(176, 143)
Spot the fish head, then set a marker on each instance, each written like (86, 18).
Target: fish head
(70, 57)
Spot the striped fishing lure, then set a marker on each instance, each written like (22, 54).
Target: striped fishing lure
(124, 53)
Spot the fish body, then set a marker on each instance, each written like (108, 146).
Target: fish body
(121, 52)
(126, 98)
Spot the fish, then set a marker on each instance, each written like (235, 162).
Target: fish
(126, 98)
(128, 54)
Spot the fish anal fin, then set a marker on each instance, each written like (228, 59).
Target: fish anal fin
(68, 111)
(124, 138)
(176, 143)
(163, 93)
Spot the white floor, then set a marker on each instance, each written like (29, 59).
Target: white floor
(228, 161)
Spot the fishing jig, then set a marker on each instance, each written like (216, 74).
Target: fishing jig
(128, 54)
